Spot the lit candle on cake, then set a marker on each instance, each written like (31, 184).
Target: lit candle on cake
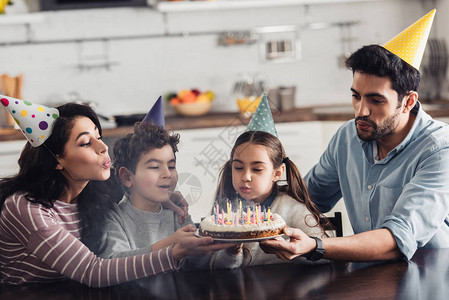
(268, 215)
(215, 215)
(254, 216)
(231, 212)
(228, 217)
(257, 215)
(240, 210)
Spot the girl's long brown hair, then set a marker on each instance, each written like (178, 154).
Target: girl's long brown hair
(295, 187)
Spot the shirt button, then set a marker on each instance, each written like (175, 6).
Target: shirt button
(367, 219)
(370, 187)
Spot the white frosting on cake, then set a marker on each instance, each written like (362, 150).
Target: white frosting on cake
(208, 224)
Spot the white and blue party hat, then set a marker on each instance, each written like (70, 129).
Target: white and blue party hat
(262, 119)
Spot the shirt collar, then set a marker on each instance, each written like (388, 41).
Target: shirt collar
(267, 203)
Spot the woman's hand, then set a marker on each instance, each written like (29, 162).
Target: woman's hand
(298, 245)
(178, 204)
(193, 245)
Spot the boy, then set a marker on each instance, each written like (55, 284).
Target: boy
(145, 165)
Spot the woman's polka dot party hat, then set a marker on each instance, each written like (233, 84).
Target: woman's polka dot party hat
(262, 119)
(156, 114)
(36, 121)
(409, 45)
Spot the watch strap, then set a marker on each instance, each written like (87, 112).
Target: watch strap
(318, 252)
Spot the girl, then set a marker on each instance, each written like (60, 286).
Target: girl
(53, 208)
(257, 163)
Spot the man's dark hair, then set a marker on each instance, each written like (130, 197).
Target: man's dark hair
(378, 61)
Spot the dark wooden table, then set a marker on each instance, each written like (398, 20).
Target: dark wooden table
(426, 276)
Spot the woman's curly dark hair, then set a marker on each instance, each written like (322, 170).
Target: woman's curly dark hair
(146, 136)
(43, 184)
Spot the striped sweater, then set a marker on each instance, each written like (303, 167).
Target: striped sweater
(39, 244)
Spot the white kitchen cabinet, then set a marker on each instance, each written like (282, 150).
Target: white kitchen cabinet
(329, 128)
(302, 143)
(9, 156)
(202, 153)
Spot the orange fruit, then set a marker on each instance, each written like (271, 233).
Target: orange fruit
(174, 101)
(188, 97)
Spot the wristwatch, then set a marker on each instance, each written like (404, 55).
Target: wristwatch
(318, 252)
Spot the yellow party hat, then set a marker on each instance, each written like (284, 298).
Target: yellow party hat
(409, 45)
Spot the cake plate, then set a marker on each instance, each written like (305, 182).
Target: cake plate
(197, 233)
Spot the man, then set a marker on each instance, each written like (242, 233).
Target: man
(390, 164)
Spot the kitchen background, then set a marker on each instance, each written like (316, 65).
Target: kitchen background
(123, 58)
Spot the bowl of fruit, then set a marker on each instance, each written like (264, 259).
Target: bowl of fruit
(191, 102)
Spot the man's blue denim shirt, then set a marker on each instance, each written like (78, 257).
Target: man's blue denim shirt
(406, 192)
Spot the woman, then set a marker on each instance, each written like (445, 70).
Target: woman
(52, 209)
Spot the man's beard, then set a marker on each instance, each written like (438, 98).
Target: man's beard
(379, 131)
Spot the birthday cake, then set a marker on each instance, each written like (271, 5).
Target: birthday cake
(249, 225)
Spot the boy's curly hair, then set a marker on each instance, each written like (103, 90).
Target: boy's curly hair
(128, 150)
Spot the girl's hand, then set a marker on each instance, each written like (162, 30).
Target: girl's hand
(192, 245)
(299, 244)
(178, 204)
(235, 249)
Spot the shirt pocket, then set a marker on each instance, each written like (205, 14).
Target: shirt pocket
(383, 202)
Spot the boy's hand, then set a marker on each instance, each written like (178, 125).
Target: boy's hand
(192, 245)
(185, 231)
(178, 204)
(181, 233)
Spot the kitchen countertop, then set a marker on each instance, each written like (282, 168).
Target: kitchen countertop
(340, 112)
(176, 122)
